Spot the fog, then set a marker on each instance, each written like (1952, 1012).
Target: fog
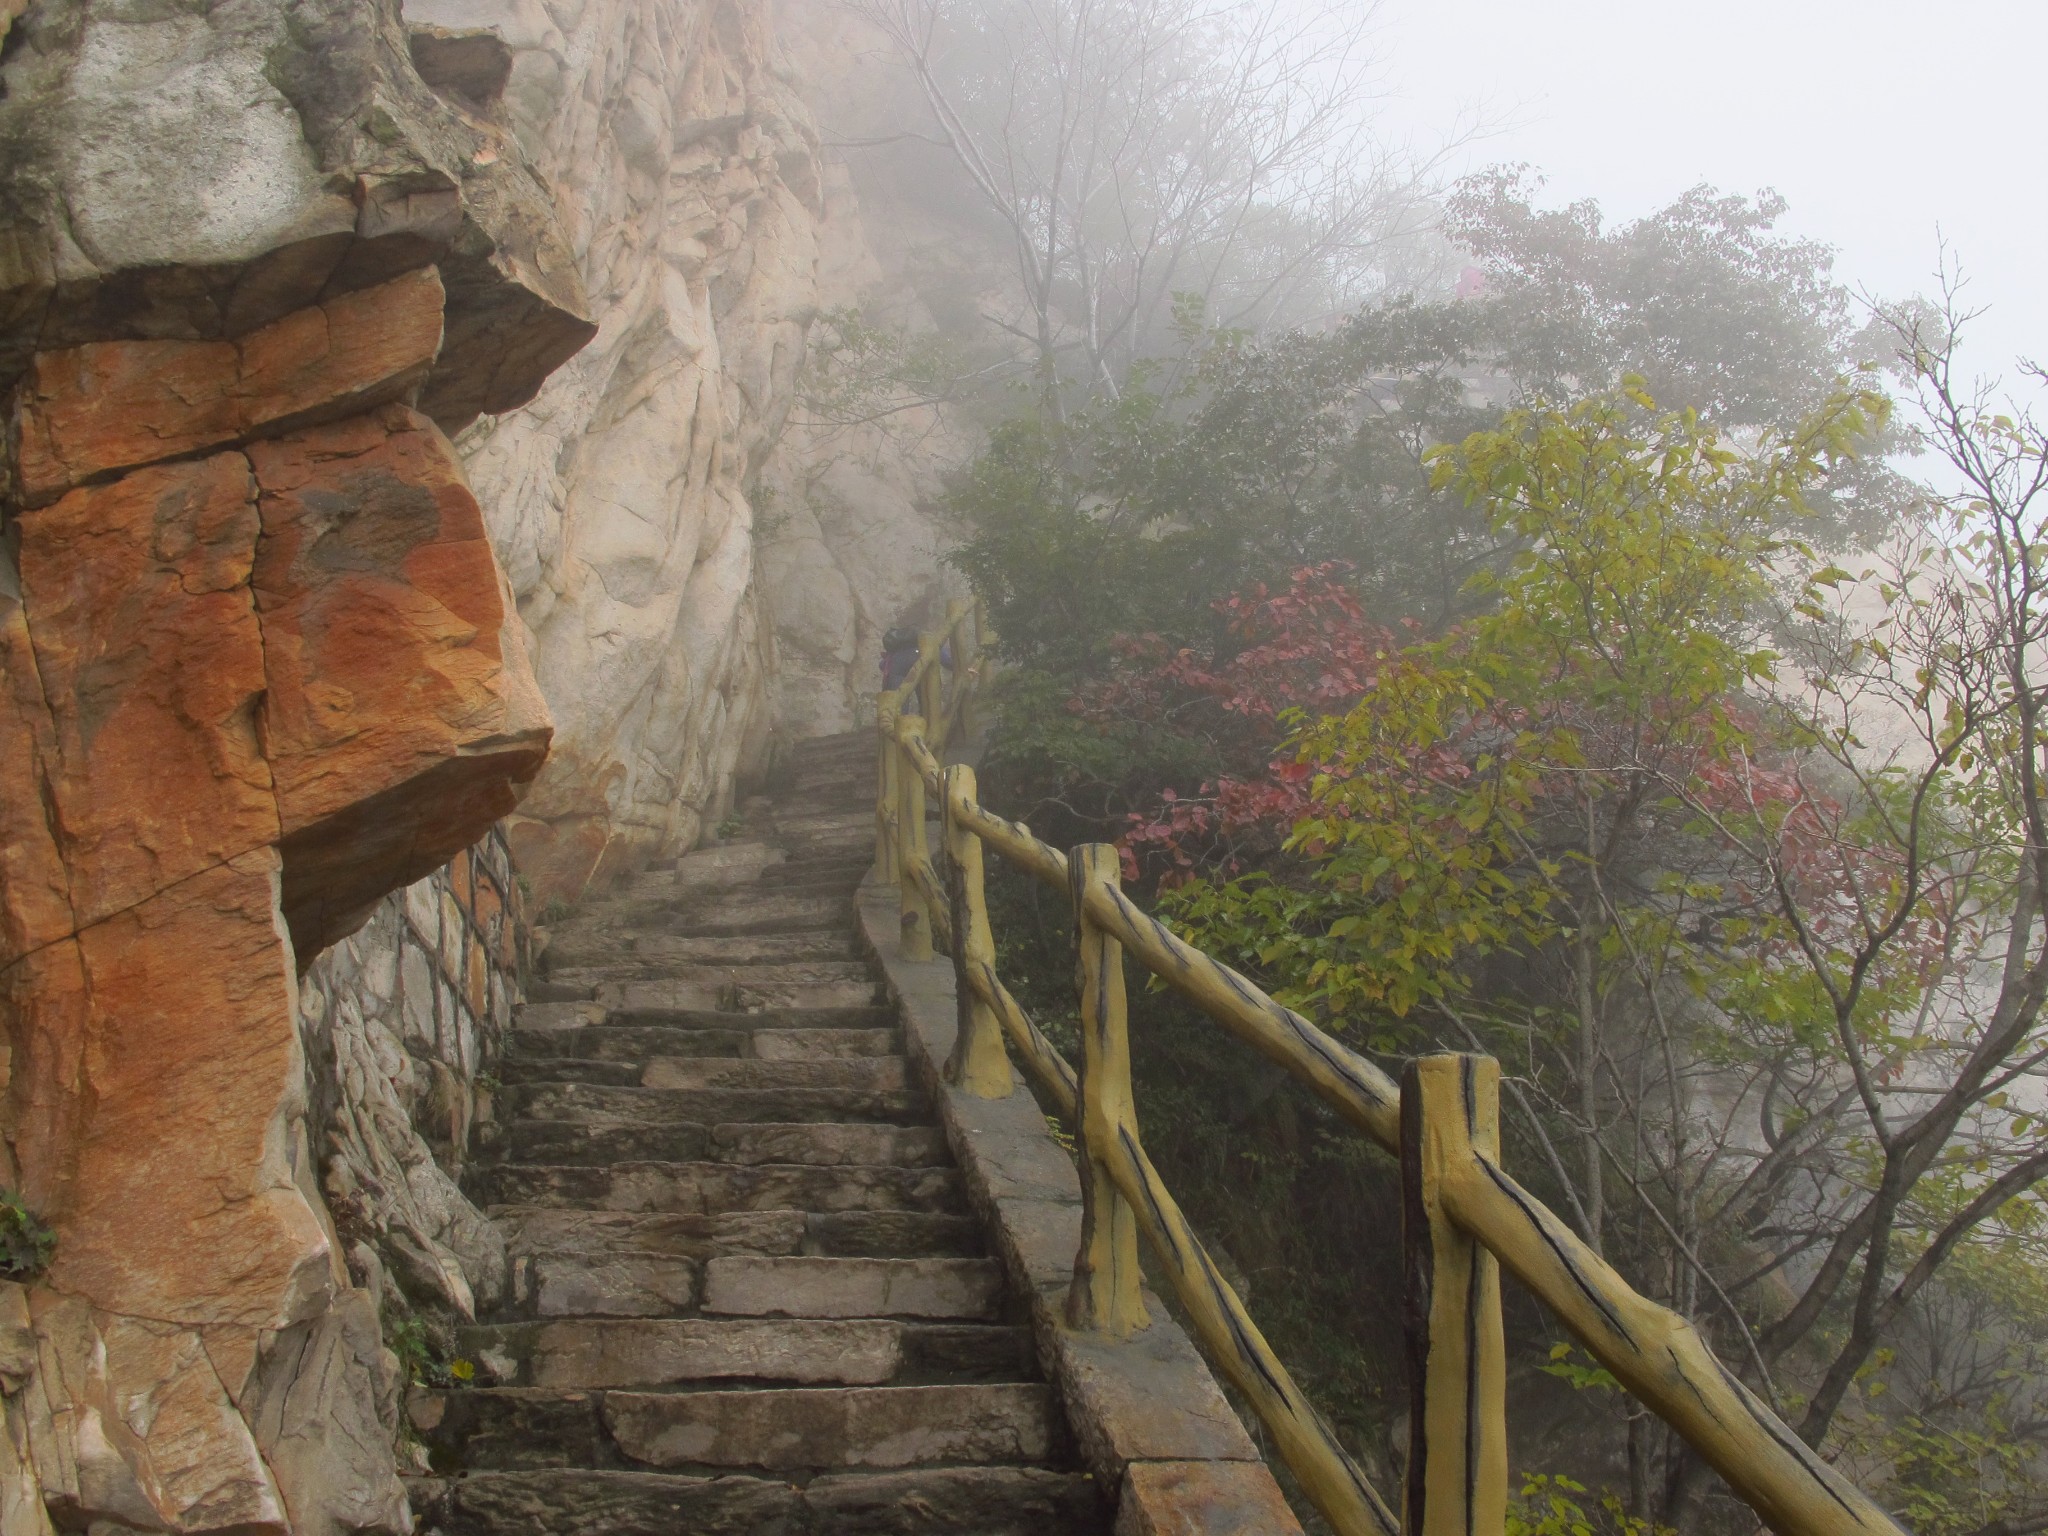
(1889, 124)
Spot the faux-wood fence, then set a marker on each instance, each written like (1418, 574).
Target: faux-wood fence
(1464, 1216)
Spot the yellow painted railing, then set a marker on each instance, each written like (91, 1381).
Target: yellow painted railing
(1464, 1216)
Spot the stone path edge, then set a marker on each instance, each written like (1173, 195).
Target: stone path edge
(1151, 1424)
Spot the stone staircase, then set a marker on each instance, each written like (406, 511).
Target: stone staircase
(749, 1295)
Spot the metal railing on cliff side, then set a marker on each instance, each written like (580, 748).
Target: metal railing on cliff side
(1464, 1216)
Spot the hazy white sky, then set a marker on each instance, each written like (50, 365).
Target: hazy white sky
(1885, 122)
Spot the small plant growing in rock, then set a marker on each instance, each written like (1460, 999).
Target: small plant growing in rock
(422, 1363)
(731, 826)
(26, 1242)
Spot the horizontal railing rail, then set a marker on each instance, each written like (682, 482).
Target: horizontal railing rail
(1464, 1216)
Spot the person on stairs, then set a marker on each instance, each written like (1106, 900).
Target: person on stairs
(899, 655)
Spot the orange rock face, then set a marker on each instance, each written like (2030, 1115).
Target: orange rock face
(184, 1207)
(238, 691)
(93, 410)
(152, 667)
(35, 891)
(393, 716)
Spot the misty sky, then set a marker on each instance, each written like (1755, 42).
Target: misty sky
(1882, 121)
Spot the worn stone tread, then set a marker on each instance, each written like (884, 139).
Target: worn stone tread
(714, 1187)
(934, 1501)
(808, 1286)
(587, 1144)
(628, 1046)
(538, 1230)
(865, 1074)
(598, 1104)
(736, 994)
(893, 1234)
(866, 1015)
(827, 1144)
(594, 1353)
(584, 1501)
(986, 1501)
(586, 1353)
(569, 1231)
(803, 1428)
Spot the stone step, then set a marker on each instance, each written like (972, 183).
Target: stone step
(829, 1145)
(584, 1501)
(761, 911)
(824, 1143)
(806, 1428)
(985, 1501)
(596, 1104)
(960, 1289)
(616, 1043)
(861, 1074)
(893, 1234)
(607, 1353)
(734, 994)
(835, 873)
(603, 1285)
(817, 1044)
(825, 821)
(660, 945)
(614, 964)
(843, 746)
(561, 1019)
(872, 1071)
(752, 978)
(867, 1015)
(684, 949)
(851, 844)
(583, 1144)
(612, 1042)
(522, 1067)
(561, 1234)
(711, 1188)
(555, 1232)
(753, 910)
(785, 1429)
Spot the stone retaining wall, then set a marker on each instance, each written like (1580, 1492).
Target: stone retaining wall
(403, 1024)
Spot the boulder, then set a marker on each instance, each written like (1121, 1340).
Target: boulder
(400, 710)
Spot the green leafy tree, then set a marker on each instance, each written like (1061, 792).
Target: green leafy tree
(1609, 831)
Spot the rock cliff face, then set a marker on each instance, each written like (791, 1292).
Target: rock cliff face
(272, 648)
(260, 668)
(632, 499)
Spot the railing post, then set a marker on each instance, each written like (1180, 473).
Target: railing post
(966, 657)
(1457, 1372)
(1106, 1293)
(885, 791)
(931, 694)
(979, 1064)
(911, 848)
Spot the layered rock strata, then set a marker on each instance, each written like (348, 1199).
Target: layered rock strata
(403, 1024)
(258, 667)
(633, 498)
(215, 666)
